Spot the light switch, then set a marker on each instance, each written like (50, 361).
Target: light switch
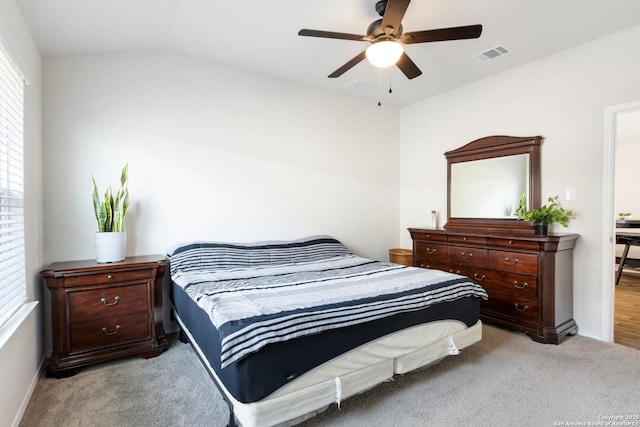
(570, 193)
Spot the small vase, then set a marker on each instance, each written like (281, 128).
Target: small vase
(541, 229)
(110, 246)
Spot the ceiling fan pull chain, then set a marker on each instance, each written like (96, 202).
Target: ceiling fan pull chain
(379, 85)
(390, 91)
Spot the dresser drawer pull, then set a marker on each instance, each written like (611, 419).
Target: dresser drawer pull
(519, 286)
(431, 251)
(455, 272)
(479, 278)
(466, 256)
(511, 242)
(115, 300)
(109, 276)
(508, 261)
(106, 332)
(520, 307)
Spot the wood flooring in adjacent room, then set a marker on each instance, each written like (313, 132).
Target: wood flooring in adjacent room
(626, 330)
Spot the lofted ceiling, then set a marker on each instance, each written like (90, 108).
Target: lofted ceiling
(261, 36)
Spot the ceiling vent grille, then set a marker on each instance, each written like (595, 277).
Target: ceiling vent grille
(359, 85)
(491, 54)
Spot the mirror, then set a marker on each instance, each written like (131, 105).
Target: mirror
(486, 179)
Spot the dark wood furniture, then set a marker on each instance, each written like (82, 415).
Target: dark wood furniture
(101, 312)
(485, 150)
(529, 278)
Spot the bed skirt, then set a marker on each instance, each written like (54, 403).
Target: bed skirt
(351, 373)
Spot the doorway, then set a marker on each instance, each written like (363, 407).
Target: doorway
(622, 135)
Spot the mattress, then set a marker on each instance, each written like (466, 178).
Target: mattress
(260, 374)
(286, 328)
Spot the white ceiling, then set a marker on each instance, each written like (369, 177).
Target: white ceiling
(261, 36)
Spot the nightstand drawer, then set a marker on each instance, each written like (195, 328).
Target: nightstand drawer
(107, 277)
(108, 301)
(105, 332)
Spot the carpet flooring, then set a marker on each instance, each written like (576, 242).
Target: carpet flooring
(504, 380)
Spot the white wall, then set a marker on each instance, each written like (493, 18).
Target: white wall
(561, 97)
(22, 354)
(214, 154)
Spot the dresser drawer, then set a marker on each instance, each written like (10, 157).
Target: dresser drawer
(107, 277)
(431, 252)
(468, 256)
(514, 243)
(433, 265)
(525, 309)
(514, 262)
(510, 283)
(431, 237)
(110, 331)
(472, 240)
(108, 301)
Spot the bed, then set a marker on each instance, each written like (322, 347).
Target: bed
(287, 328)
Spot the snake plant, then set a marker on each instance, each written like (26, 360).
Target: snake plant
(110, 212)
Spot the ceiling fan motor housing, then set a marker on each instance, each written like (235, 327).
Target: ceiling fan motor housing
(375, 30)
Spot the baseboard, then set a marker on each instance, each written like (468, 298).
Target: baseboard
(32, 387)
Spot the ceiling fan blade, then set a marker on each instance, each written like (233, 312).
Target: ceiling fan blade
(349, 65)
(393, 16)
(332, 35)
(408, 67)
(443, 34)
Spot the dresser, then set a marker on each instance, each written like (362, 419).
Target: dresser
(101, 312)
(529, 278)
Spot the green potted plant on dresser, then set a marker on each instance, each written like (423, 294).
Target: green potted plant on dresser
(544, 216)
(111, 237)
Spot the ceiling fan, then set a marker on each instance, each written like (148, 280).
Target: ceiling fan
(386, 36)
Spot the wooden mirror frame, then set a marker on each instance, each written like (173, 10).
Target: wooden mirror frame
(488, 148)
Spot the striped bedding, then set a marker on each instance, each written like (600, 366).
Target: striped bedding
(261, 293)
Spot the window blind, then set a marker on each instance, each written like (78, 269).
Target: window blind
(12, 255)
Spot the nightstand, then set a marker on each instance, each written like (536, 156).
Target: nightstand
(101, 312)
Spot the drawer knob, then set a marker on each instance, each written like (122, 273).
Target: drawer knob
(520, 286)
(431, 251)
(106, 331)
(109, 276)
(479, 278)
(510, 262)
(115, 300)
(521, 307)
(511, 242)
(467, 256)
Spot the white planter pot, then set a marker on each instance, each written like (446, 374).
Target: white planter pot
(110, 247)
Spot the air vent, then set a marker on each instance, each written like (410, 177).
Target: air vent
(359, 85)
(493, 53)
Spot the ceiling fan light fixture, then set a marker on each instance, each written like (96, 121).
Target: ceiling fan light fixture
(384, 53)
